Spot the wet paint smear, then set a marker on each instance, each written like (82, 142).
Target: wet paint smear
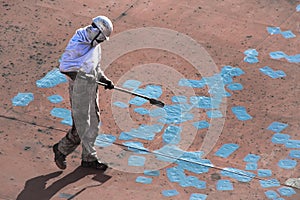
(290, 58)
(264, 172)
(241, 113)
(295, 154)
(197, 196)
(269, 183)
(137, 161)
(270, 194)
(276, 30)
(251, 56)
(226, 150)
(224, 185)
(144, 180)
(105, 140)
(200, 166)
(63, 113)
(168, 153)
(170, 193)
(22, 99)
(287, 164)
(272, 73)
(176, 114)
(239, 175)
(279, 138)
(286, 191)
(55, 99)
(277, 55)
(151, 91)
(273, 30)
(288, 34)
(52, 78)
(277, 127)
(292, 144)
(252, 158)
(171, 135)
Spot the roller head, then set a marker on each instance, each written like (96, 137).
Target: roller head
(157, 103)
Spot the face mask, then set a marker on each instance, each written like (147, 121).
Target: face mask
(99, 37)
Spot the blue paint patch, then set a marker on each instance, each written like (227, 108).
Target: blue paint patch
(252, 158)
(131, 84)
(55, 99)
(293, 59)
(298, 8)
(235, 86)
(22, 99)
(287, 164)
(176, 114)
(63, 113)
(264, 173)
(168, 153)
(145, 132)
(138, 101)
(292, 144)
(141, 111)
(120, 104)
(136, 147)
(279, 138)
(269, 183)
(125, 136)
(152, 172)
(197, 196)
(175, 174)
(192, 181)
(271, 73)
(241, 113)
(137, 161)
(277, 127)
(231, 71)
(277, 55)
(251, 52)
(251, 60)
(170, 193)
(295, 154)
(105, 140)
(179, 99)
(224, 185)
(201, 102)
(214, 114)
(171, 135)
(201, 124)
(270, 194)
(239, 175)
(144, 180)
(273, 30)
(52, 78)
(286, 191)
(199, 166)
(251, 56)
(191, 83)
(192, 156)
(226, 150)
(157, 112)
(251, 166)
(288, 34)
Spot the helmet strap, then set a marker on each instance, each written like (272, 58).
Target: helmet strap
(94, 26)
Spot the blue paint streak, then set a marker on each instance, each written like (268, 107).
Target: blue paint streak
(152, 172)
(235, 86)
(295, 154)
(191, 83)
(292, 144)
(279, 138)
(272, 73)
(251, 166)
(264, 172)
(168, 153)
(171, 135)
(144, 180)
(52, 78)
(224, 185)
(141, 111)
(270, 194)
(273, 30)
(288, 34)
(179, 99)
(170, 193)
(241, 113)
(239, 175)
(286, 191)
(201, 124)
(192, 181)
(226, 150)
(22, 99)
(197, 196)
(136, 147)
(269, 183)
(287, 164)
(63, 113)
(277, 55)
(55, 99)
(137, 161)
(277, 127)
(105, 140)
(252, 158)
(175, 174)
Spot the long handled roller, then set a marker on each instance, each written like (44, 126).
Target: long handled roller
(151, 100)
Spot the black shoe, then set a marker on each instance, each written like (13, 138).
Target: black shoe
(94, 164)
(59, 158)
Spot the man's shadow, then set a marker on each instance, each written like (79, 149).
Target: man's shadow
(35, 188)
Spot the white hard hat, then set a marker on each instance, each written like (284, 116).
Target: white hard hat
(104, 24)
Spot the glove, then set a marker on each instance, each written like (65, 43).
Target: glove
(109, 84)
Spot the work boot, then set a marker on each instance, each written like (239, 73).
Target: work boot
(59, 158)
(94, 164)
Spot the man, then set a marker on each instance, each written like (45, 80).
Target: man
(81, 63)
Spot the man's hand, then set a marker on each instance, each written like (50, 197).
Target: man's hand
(109, 84)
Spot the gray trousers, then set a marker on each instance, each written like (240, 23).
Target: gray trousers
(84, 106)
